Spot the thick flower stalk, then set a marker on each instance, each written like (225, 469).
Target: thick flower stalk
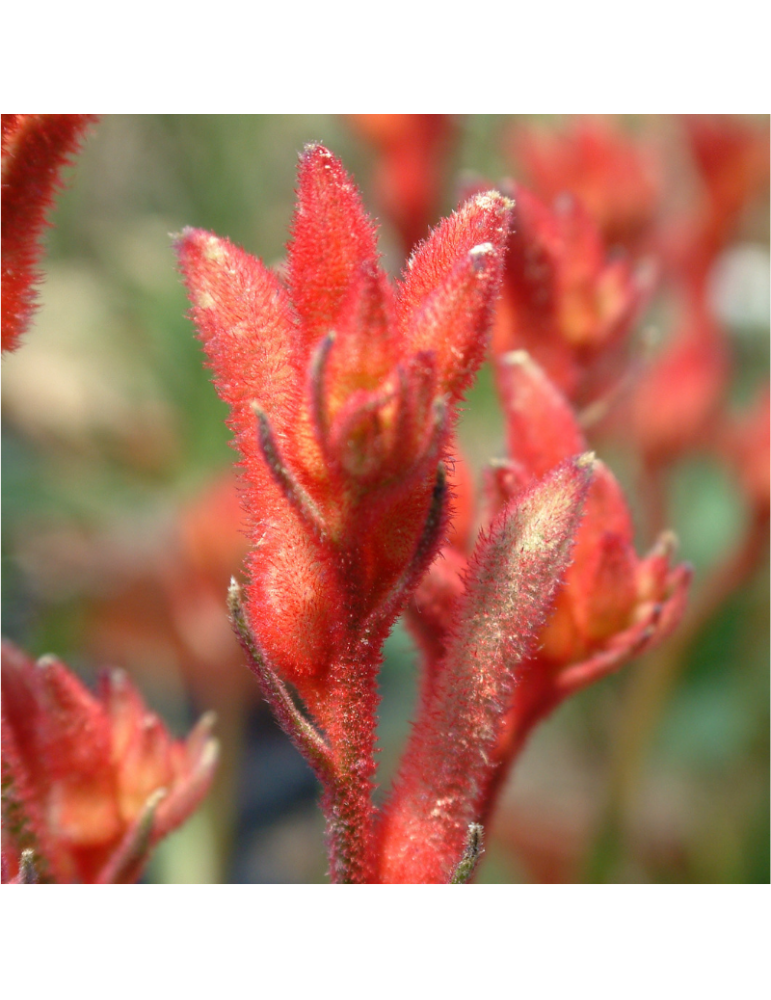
(35, 148)
(90, 784)
(342, 392)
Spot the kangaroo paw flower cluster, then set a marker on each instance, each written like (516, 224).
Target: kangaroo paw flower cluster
(343, 392)
(564, 300)
(90, 784)
(343, 388)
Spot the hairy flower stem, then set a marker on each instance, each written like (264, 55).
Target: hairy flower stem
(348, 806)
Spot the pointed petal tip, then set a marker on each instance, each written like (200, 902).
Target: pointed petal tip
(209, 756)
(518, 357)
(183, 235)
(212, 247)
(493, 200)
(47, 663)
(186, 238)
(314, 147)
(587, 461)
(666, 544)
(234, 598)
(316, 153)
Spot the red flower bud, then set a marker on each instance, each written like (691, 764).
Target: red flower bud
(350, 386)
(607, 590)
(610, 607)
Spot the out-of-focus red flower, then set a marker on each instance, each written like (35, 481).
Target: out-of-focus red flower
(564, 301)
(90, 784)
(675, 405)
(413, 154)
(616, 178)
(168, 608)
(730, 156)
(35, 148)
(746, 445)
(613, 603)
(342, 394)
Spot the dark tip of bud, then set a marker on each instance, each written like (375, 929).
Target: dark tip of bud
(27, 871)
(466, 867)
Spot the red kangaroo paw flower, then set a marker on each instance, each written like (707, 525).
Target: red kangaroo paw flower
(35, 148)
(342, 394)
(94, 782)
(745, 444)
(607, 588)
(409, 173)
(564, 300)
(616, 178)
(511, 582)
(675, 405)
(611, 606)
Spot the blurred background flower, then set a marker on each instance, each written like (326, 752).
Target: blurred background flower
(122, 525)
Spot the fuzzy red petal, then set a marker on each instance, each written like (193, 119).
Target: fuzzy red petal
(332, 239)
(35, 148)
(446, 301)
(245, 321)
(541, 426)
